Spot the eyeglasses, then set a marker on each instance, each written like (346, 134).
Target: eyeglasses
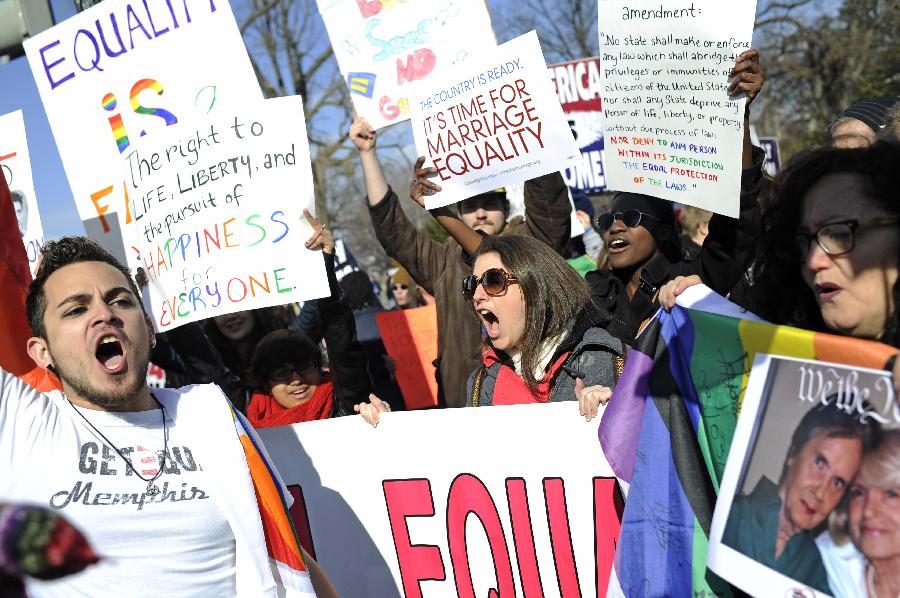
(838, 238)
(494, 280)
(286, 372)
(630, 218)
(400, 287)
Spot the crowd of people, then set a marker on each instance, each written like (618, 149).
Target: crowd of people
(817, 247)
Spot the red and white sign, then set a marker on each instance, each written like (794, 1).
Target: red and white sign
(460, 502)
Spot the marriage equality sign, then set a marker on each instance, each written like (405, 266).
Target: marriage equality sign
(493, 121)
(216, 211)
(801, 457)
(16, 167)
(124, 69)
(578, 86)
(526, 507)
(385, 48)
(671, 129)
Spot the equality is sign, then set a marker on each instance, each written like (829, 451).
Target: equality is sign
(217, 213)
(410, 337)
(16, 167)
(386, 47)
(494, 121)
(578, 87)
(671, 129)
(124, 69)
(393, 513)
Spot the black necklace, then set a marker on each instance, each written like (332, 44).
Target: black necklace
(152, 488)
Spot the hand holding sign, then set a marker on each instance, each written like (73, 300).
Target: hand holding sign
(420, 185)
(590, 398)
(747, 75)
(371, 411)
(363, 135)
(321, 237)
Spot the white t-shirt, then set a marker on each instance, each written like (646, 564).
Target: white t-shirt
(174, 544)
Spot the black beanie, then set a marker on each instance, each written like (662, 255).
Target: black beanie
(872, 112)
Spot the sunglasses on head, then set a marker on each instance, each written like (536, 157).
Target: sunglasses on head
(630, 218)
(495, 281)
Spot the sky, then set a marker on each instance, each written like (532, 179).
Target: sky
(58, 214)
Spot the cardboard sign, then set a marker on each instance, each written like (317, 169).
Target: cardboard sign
(385, 48)
(124, 69)
(801, 434)
(496, 121)
(216, 211)
(671, 128)
(410, 337)
(16, 166)
(578, 87)
(454, 502)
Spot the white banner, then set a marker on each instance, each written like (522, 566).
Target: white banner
(16, 166)
(385, 48)
(217, 213)
(128, 68)
(455, 502)
(495, 121)
(671, 129)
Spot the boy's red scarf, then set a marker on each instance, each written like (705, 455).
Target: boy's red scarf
(510, 389)
(265, 412)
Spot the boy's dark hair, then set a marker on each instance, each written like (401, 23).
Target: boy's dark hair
(58, 254)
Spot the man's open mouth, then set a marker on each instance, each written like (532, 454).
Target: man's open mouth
(110, 354)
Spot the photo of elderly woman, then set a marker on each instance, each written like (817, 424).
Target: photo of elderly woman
(805, 503)
(861, 549)
(776, 524)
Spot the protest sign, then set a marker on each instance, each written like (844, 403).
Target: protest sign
(799, 441)
(386, 48)
(394, 513)
(578, 87)
(16, 165)
(494, 121)
(671, 128)
(410, 337)
(124, 69)
(217, 213)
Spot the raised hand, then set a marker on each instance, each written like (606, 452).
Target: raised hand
(420, 185)
(747, 75)
(363, 135)
(371, 411)
(321, 237)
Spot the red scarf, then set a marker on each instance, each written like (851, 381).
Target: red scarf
(510, 389)
(265, 412)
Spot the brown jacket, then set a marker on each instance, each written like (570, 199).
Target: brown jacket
(440, 268)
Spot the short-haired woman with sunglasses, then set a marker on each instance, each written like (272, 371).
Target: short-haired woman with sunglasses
(543, 340)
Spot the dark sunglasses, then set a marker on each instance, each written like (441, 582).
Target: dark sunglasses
(285, 373)
(400, 287)
(630, 218)
(494, 280)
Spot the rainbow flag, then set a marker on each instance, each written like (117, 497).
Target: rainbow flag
(668, 428)
(282, 543)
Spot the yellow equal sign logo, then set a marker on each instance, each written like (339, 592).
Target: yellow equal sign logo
(361, 83)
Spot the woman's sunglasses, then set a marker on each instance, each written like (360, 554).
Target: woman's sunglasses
(630, 218)
(400, 287)
(494, 280)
